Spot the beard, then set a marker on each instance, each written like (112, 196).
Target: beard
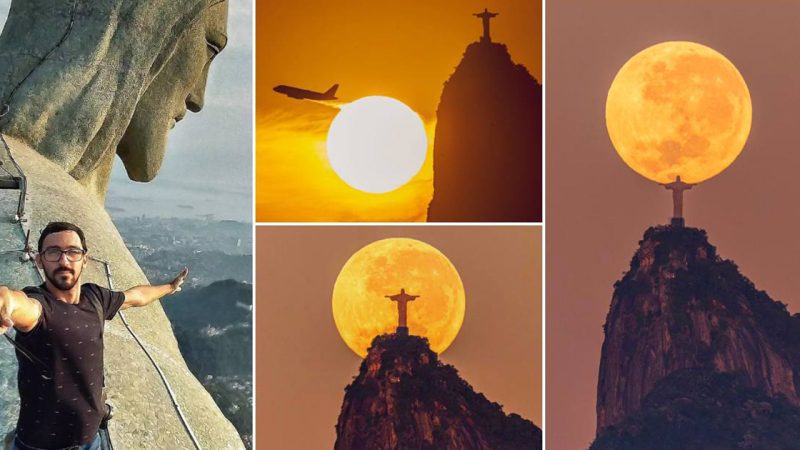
(56, 279)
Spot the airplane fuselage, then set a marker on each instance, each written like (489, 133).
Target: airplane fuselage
(304, 94)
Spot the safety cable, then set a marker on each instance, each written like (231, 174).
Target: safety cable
(161, 374)
(20, 216)
(23, 186)
(27, 255)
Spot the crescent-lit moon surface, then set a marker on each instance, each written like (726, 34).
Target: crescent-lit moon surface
(678, 109)
(382, 268)
(376, 144)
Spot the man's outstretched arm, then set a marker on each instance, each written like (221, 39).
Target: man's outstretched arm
(144, 295)
(17, 310)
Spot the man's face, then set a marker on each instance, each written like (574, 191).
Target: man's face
(180, 85)
(62, 273)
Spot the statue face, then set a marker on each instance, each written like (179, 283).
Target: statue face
(178, 87)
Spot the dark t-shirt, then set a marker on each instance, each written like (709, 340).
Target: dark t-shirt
(65, 410)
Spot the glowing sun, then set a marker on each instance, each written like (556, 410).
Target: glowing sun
(678, 108)
(376, 144)
(361, 310)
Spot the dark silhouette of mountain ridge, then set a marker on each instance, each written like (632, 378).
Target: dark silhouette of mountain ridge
(405, 398)
(682, 309)
(487, 150)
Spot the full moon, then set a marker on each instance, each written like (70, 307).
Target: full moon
(376, 144)
(361, 310)
(678, 109)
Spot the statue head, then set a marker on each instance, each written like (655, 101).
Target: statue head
(84, 80)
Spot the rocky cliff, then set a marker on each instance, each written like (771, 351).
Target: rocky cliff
(487, 150)
(699, 409)
(681, 306)
(405, 398)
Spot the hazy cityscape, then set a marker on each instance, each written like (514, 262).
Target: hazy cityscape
(217, 347)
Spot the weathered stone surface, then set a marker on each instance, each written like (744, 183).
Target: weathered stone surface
(145, 417)
(82, 81)
(680, 306)
(87, 79)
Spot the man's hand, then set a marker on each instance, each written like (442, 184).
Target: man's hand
(17, 310)
(6, 309)
(178, 281)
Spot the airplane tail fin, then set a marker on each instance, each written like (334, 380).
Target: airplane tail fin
(332, 90)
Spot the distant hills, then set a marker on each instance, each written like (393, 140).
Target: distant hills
(212, 316)
(213, 326)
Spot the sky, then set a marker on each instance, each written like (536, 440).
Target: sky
(303, 365)
(405, 50)
(215, 144)
(598, 208)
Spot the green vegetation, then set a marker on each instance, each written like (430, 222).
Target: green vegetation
(699, 409)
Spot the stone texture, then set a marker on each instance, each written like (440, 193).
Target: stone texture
(83, 81)
(145, 417)
(74, 73)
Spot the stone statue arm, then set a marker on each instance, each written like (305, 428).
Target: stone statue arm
(146, 294)
(18, 310)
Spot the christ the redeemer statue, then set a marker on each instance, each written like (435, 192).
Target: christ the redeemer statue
(402, 300)
(486, 16)
(677, 187)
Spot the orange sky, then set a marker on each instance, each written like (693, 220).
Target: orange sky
(405, 50)
(303, 365)
(598, 208)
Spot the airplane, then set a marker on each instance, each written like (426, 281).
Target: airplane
(301, 94)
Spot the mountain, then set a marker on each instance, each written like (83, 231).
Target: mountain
(682, 307)
(213, 326)
(487, 150)
(405, 398)
(699, 409)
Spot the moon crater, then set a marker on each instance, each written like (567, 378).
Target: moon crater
(361, 311)
(678, 108)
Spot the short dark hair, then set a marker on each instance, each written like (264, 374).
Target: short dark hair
(57, 227)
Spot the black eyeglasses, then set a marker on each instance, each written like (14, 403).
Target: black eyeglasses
(53, 254)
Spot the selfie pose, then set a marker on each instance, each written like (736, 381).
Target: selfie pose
(59, 343)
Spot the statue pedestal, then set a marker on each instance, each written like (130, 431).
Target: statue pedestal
(402, 331)
(677, 222)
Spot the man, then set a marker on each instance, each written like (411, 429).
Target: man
(59, 324)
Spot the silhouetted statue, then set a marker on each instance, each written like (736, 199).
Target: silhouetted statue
(486, 16)
(402, 300)
(677, 187)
